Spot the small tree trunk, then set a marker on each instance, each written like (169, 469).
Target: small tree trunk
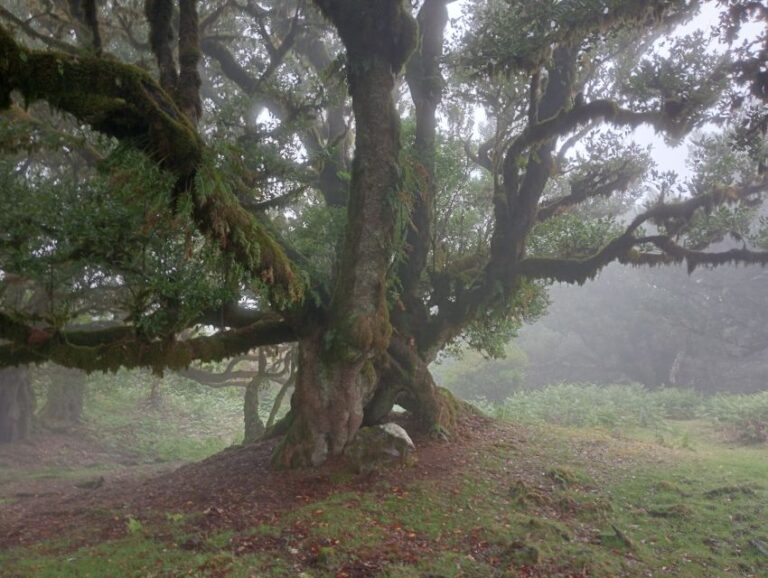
(17, 404)
(155, 399)
(64, 402)
(327, 406)
(254, 427)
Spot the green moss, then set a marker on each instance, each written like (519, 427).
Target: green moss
(115, 98)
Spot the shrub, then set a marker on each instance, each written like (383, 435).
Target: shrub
(585, 405)
(744, 417)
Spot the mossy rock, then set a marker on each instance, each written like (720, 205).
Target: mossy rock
(376, 446)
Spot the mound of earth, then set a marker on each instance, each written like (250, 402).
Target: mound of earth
(234, 489)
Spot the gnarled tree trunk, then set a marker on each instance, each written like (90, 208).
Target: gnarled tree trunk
(17, 404)
(336, 375)
(405, 380)
(327, 406)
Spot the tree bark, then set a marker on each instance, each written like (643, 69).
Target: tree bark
(327, 405)
(254, 427)
(405, 380)
(64, 402)
(336, 376)
(17, 404)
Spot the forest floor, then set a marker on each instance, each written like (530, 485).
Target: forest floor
(499, 500)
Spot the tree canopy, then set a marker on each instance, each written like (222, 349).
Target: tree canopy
(188, 180)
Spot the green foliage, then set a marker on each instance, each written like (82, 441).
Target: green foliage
(509, 36)
(316, 235)
(612, 406)
(681, 72)
(120, 232)
(473, 376)
(745, 417)
(191, 421)
(572, 236)
(134, 525)
(741, 417)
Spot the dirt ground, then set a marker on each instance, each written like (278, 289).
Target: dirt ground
(234, 489)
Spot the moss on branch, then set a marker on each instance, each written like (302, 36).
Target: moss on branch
(124, 102)
(112, 348)
(116, 99)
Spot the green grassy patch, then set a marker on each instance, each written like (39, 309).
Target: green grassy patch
(546, 500)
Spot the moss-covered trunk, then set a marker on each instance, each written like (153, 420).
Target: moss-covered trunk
(254, 427)
(336, 375)
(327, 405)
(17, 404)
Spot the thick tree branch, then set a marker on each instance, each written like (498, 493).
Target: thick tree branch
(236, 316)
(681, 212)
(112, 348)
(123, 101)
(116, 99)
(159, 14)
(622, 249)
(188, 87)
(482, 157)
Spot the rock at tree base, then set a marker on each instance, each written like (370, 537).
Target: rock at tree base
(374, 446)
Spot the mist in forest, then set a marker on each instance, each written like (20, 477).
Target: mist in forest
(659, 327)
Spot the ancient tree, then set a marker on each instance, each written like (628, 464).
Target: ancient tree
(190, 180)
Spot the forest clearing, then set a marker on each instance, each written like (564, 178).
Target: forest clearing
(511, 497)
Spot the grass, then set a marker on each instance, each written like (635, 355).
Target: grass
(672, 498)
(612, 406)
(673, 512)
(191, 423)
(120, 428)
(52, 473)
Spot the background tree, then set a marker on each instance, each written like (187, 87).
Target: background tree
(17, 404)
(241, 169)
(64, 398)
(255, 372)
